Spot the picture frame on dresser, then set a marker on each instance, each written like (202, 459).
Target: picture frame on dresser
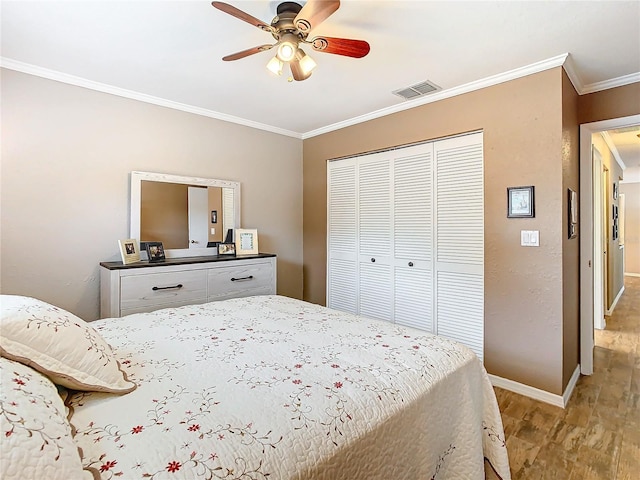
(129, 250)
(155, 251)
(226, 249)
(246, 241)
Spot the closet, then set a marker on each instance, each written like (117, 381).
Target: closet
(405, 237)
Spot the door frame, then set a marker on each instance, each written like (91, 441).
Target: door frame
(587, 280)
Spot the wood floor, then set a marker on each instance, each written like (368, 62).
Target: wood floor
(597, 436)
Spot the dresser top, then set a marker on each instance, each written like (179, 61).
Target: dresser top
(183, 261)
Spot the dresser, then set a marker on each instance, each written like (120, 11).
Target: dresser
(145, 286)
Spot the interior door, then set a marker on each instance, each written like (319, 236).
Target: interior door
(198, 217)
(599, 259)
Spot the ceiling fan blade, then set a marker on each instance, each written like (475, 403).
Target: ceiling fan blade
(314, 13)
(246, 53)
(341, 46)
(235, 12)
(297, 72)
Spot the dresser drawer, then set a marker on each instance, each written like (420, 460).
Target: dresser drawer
(139, 293)
(241, 281)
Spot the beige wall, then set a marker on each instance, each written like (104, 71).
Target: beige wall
(570, 246)
(523, 125)
(607, 104)
(631, 193)
(66, 157)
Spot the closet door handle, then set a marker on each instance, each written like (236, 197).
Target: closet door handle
(167, 288)
(411, 264)
(373, 260)
(241, 278)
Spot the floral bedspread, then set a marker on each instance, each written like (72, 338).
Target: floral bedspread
(274, 388)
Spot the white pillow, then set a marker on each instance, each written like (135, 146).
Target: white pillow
(35, 436)
(60, 345)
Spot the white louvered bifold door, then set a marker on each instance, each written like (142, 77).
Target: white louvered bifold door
(413, 227)
(375, 248)
(342, 236)
(459, 262)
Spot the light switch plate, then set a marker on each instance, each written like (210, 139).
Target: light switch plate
(213, 231)
(530, 238)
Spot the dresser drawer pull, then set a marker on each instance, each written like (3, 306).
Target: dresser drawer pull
(167, 288)
(241, 278)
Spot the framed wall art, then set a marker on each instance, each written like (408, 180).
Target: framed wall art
(573, 213)
(129, 250)
(246, 241)
(520, 202)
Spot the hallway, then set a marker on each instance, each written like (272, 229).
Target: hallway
(598, 435)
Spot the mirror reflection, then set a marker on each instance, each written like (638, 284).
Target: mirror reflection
(189, 215)
(184, 216)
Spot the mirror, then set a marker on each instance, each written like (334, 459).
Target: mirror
(189, 215)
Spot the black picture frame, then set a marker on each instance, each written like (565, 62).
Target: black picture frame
(521, 202)
(227, 249)
(155, 251)
(214, 216)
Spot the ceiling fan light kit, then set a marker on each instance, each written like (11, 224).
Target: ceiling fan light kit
(290, 28)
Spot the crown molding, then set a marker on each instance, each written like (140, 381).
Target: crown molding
(611, 83)
(442, 94)
(142, 97)
(572, 73)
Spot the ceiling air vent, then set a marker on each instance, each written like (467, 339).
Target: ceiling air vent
(417, 90)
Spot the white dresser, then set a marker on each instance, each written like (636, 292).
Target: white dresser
(145, 286)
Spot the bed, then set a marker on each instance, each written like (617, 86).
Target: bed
(263, 387)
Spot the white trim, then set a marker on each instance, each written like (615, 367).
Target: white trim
(535, 393)
(611, 83)
(572, 73)
(586, 237)
(142, 97)
(614, 151)
(537, 67)
(615, 301)
(631, 274)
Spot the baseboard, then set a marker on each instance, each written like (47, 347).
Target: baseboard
(631, 274)
(536, 393)
(615, 302)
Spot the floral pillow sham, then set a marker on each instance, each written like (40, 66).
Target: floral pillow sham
(60, 345)
(35, 439)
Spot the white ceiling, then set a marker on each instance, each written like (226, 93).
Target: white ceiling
(169, 52)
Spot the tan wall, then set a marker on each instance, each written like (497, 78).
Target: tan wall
(631, 193)
(615, 274)
(607, 104)
(67, 153)
(523, 137)
(570, 247)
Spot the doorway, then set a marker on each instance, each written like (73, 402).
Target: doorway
(591, 279)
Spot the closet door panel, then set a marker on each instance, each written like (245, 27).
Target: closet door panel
(413, 297)
(460, 309)
(342, 237)
(376, 291)
(460, 201)
(374, 206)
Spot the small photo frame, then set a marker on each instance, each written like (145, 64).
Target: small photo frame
(520, 202)
(615, 190)
(129, 250)
(246, 241)
(155, 251)
(214, 216)
(226, 249)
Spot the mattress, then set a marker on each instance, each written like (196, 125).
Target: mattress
(269, 387)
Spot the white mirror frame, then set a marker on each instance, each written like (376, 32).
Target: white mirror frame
(134, 218)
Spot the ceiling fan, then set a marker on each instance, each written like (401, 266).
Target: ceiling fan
(290, 28)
